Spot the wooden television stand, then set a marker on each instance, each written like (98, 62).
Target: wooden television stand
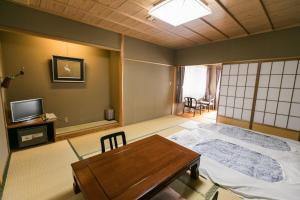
(13, 127)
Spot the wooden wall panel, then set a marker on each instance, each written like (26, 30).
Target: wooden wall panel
(234, 122)
(282, 132)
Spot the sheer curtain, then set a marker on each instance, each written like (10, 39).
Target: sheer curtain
(195, 81)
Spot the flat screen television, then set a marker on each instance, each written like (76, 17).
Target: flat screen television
(26, 109)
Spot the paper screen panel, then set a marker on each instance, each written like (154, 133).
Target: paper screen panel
(221, 110)
(225, 70)
(229, 111)
(239, 102)
(265, 68)
(277, 67)
(237, 90)
(273, 94)
(286, 95)
(237, 113)
(296, 96)
(283, 108)
(290, 67)
(294, 123)
(277, 99)
(258, 117)
(297, 84)
(288, 81)
(281, 121)
(240, 92)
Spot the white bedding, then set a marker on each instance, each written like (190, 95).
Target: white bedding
(247, 186)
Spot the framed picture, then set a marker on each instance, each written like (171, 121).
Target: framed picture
(66, 69)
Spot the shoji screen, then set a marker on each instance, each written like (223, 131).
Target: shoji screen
(237, 91)
(263, 96)
(278, 95)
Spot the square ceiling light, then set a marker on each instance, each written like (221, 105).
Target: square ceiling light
(177, 12)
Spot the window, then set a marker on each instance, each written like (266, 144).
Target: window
(195, 81)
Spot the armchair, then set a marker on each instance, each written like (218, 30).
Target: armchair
(208, 102)
(191, 103)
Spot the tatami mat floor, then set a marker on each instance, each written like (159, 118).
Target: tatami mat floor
(69, 129)
(42, 172)
(88, 144)
(45, 172)
(208, 116)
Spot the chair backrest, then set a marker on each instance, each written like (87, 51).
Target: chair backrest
(194, 102)
(190, 102)
(187, 101)
(209, 98)
(112, 137)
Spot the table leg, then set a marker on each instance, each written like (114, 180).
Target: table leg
(195, 170)
(76, 188)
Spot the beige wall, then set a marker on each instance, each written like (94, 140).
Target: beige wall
(79, 102)
(53, 26)
(28, 19)
(114, 82)
(145, 51)
(147, 85)
(147, 91)
(277, 44)
(3, 133)
(212, 86)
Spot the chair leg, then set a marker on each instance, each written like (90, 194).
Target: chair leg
(215, 197)
(194, 111)
(183, 110)
(208, 107)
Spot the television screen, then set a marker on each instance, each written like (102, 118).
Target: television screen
(26, 109)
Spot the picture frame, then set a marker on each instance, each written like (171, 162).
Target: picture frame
(67, 69)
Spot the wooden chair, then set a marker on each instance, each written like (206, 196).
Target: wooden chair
(191, 103)
(207, 102)
(111, 137)
(215, 197)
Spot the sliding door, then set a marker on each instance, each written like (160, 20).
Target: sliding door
(278, 96)
(263, 96)
(237, 93)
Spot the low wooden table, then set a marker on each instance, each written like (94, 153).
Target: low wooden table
(136, 171)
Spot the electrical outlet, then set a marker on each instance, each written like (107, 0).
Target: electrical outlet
(66, 119)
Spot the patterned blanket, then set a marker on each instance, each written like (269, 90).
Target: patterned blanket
(248, 136)
(241, 159)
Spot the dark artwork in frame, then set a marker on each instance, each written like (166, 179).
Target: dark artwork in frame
(67, 69)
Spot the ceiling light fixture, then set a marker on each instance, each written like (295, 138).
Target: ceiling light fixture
(177, 12)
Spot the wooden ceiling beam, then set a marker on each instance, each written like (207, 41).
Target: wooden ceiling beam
(144, 22)
(190, 29)
(202, 35)
(232, 16)
(214, 27)
(103, 18)
(267, 14)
